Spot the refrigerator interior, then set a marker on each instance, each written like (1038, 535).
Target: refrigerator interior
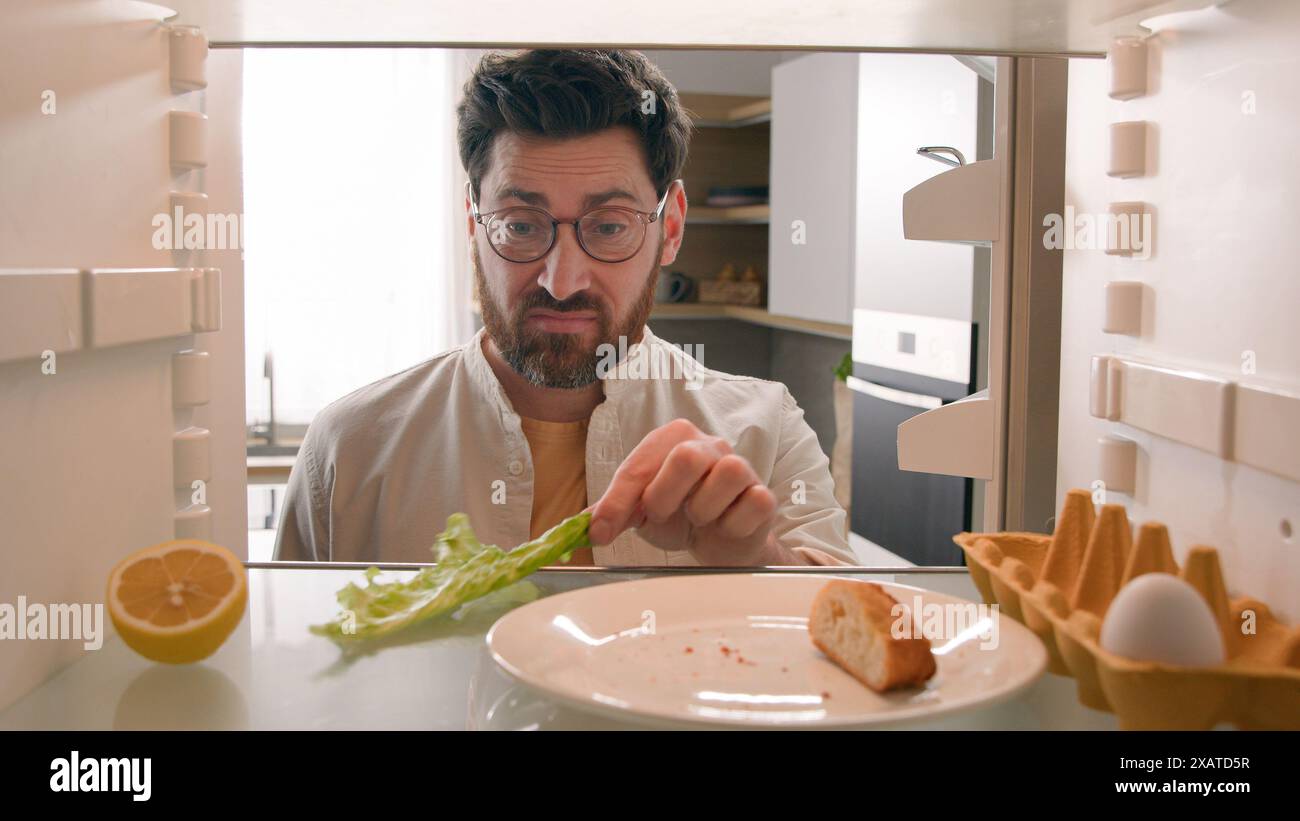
(94, 465)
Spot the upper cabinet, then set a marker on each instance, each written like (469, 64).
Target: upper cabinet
(845, 134)
(814, 148)
(907, 102)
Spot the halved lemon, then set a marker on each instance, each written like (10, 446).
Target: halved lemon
(178, 601)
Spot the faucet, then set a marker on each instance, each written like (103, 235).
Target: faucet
(270, 433)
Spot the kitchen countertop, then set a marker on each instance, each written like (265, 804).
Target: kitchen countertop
(273, 674)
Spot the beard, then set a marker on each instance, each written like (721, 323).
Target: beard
(559, 360)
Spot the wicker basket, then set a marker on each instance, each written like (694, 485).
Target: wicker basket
(731, 293)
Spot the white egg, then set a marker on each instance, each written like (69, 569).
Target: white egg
(1159, 617)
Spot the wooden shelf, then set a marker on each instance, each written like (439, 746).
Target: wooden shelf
(733, 215)
(269, 470)
(744, 313)
(752, 315)
(726, 110)
(687, 310)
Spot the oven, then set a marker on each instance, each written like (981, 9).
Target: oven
(905, 365)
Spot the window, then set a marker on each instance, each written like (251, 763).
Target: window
(355, 257)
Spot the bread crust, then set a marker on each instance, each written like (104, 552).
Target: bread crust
(897, 662)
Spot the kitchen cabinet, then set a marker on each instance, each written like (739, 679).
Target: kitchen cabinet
(845, 134)
(907, 101)
(810, 245)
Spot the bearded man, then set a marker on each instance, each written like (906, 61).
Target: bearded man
(573, 204)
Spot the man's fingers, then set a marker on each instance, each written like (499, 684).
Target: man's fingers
(729, 477)
(686, 466)
(752, 510)
(613, 513)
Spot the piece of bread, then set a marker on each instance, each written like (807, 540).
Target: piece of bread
(850, 623)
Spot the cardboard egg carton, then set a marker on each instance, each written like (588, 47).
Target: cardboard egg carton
(1060, 586)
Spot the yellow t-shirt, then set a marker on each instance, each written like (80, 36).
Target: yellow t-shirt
(559, 452)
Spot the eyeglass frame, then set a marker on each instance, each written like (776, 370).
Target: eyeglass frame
(645, 217)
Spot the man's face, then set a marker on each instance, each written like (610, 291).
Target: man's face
(548, 318)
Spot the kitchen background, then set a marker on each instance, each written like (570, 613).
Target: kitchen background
(359, 273)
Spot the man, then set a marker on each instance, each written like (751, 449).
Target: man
(566, 399)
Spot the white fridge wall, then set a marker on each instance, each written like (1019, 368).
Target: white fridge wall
(1221, 284)
(87, 451)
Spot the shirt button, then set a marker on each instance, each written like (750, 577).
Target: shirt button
(516, 467)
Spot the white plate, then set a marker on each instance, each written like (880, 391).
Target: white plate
(734, 650)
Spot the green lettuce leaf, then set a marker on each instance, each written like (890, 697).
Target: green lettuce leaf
(466, 570)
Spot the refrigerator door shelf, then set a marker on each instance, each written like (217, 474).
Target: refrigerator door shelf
(960, 205)
(953, 440)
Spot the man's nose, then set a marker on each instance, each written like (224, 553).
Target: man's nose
(567, 271)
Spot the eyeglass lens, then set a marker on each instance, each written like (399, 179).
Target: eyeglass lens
(523, 235)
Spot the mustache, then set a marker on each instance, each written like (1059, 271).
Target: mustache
(541, 298)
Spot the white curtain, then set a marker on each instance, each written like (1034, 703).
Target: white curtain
(356, 263)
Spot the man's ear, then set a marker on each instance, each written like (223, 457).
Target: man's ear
(674, 219)
(470, 224)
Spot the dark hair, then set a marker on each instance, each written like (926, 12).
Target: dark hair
(568, 93)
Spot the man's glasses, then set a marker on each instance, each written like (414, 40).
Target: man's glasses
(610, 233)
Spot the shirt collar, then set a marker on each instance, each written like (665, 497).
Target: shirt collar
(482, 376)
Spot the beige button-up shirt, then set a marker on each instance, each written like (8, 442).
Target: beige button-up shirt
(382, 468)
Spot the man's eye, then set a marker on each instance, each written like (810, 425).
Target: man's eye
(609, 229)
(520, 229)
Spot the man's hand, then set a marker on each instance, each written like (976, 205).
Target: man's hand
(684, 490)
